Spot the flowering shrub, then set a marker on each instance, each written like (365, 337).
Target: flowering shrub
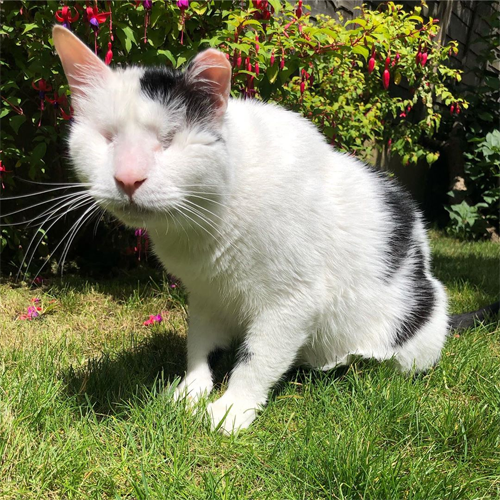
(374, 81)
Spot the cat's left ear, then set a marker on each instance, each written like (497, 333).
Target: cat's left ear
(81, 66)
(210, 71)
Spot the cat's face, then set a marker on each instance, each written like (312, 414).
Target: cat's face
(148, 141)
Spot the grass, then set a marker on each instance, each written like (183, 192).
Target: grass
(84, 413)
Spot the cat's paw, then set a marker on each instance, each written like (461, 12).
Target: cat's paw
(193, 388)
(229, 415)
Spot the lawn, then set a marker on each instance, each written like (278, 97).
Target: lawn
(84, 412)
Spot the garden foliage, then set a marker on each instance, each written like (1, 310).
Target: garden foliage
(379, 80)
(477, 212)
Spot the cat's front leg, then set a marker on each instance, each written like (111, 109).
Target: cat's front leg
(204, 336)
(269, 350)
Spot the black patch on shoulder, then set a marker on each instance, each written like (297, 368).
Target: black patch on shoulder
(172, 87)
(425, 300)
(402, 214)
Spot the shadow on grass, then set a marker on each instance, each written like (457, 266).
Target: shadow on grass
(109, 382)
(480, 272)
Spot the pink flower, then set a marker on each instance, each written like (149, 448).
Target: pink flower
(64, 16)
(256, 68)
(298, 11)
(423, 59)
(183, 4)
(386, 78)
(153, 319)
(272, 58)
(371, 64)
(109, 55)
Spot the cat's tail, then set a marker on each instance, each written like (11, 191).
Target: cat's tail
(467, 320)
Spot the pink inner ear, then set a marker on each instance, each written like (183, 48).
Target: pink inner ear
(80, 64)
(212, 69)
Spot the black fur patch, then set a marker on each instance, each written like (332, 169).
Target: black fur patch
(424, 303)
(244, 355)
(170, 86)
(402, 210)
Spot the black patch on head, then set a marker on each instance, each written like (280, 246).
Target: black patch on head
(425, 300)
(402, 213)
(173, 87)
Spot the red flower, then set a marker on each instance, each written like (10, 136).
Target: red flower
(423, 58)
(42, 86)
(272, 58)
(64, 16)
(57, 100)
(371, 64)
(386, 78)
(95, 18)
(298, 11)
(256, 68)
(109, 54)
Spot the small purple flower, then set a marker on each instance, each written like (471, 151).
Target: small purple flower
(148, 4)
(183, 4)
(32, 312)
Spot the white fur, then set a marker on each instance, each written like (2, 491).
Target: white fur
(292, 257)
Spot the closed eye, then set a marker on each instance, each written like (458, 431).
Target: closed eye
(108, 136)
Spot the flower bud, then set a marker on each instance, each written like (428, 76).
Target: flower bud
(386, 78)
(272, 58)
(256, 68)
(371, 64)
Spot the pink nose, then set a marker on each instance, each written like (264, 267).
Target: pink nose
(128, 185)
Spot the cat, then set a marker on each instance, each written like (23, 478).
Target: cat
(304, 254)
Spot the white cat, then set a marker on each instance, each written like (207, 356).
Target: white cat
(305, 254)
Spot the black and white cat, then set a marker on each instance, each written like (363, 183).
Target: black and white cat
(303, 253)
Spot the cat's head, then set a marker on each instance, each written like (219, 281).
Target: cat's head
(147, 140)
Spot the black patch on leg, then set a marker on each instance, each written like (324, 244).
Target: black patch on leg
(402, 214)
(214, 357)
(425, 300)
(244, 355)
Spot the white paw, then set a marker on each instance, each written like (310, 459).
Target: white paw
(193, 388)
(230, 415)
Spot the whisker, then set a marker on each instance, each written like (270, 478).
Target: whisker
(193, 204)
(86, 184)
(192, 195)
(74, 233)
(3, 198)
(204, 219)
(58, 206)
(64, 196)
(71, 207)
(92, 207)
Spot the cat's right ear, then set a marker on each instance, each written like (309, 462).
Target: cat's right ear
(81, 66)
(211, 72)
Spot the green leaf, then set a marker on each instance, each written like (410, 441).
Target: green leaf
(272, 72)
(16, 121)
(276, 5)
(38, 153)
(29, 27)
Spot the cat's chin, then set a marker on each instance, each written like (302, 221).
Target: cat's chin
(133, 215)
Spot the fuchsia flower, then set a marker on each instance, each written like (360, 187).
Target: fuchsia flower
(153, 319)
(386, 76)
(109, 54)
(183, 4)
(95, 18)
(272, 58)
(257, 68)
(64, 16)
(3, 171)
(42, 86)
(371, 64)
(298, 11)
